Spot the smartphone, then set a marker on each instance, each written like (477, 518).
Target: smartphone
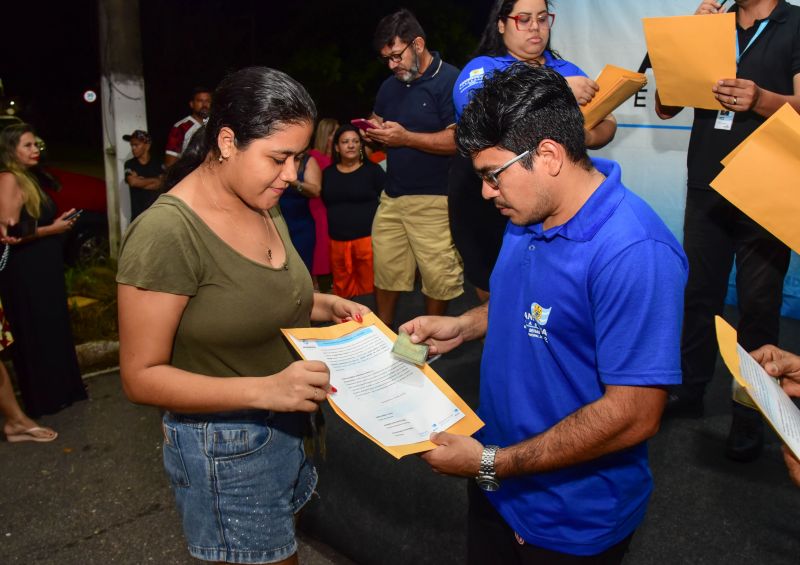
(24, 228)
(75, 215)
(361, 123)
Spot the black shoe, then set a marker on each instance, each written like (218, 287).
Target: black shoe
(681, 405)
(746, 438)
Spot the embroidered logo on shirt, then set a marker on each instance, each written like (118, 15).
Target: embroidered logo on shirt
(475, 77)
(536, 320)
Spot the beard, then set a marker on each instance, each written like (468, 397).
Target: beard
(540, 209)
(413, 71)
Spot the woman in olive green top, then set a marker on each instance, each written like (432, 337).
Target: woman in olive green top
(207, 277)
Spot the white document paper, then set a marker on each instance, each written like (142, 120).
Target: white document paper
(391, 400)
(773, 402)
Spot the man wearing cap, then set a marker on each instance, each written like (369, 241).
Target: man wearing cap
(143, 173)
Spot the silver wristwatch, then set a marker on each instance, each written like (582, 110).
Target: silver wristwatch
(487, 476)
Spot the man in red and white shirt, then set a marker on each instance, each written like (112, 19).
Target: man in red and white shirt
(182, 132)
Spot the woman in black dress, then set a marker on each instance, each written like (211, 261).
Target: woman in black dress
(32, 288)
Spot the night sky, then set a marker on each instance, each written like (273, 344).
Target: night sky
(52, 54)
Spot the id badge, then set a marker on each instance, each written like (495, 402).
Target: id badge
(724, 120)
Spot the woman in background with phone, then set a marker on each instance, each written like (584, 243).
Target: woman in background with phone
(17, 427)
(32, 287)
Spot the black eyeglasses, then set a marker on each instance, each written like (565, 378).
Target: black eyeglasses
(395, 57)
(525, 21)
(492, 177)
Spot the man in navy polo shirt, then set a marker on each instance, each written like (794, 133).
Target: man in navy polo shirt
(415, 120)
(582, 335)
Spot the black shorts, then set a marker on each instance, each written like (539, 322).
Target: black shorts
(492, 541)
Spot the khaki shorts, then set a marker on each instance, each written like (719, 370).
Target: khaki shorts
(413, 232)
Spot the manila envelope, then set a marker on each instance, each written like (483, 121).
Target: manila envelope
(785, 112)
(760, 176)
(616, 86)
(689, 55)
(466, 426)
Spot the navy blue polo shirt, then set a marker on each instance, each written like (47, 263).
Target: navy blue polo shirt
(480, 68)
(423, 105)
(596, 301)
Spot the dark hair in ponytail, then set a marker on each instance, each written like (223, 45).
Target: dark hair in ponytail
(254, 102)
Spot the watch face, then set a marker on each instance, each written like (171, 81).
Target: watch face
(487, 483)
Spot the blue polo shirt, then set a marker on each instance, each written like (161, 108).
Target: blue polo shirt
(473, 74)
(596, 301)
(423, 105)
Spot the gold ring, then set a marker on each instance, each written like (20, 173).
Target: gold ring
(734, 101)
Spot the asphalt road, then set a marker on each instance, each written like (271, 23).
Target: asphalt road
(98, 494)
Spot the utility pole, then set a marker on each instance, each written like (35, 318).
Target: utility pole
(124, 110)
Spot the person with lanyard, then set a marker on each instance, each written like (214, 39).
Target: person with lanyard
(715, 232)
(517, 30)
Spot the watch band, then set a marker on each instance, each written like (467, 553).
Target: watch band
(487, 474)
(487, 460)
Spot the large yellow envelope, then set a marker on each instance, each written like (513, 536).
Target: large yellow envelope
(616, 86)
(689, 55)
(466, 426)
(785, 112)
(761, 176)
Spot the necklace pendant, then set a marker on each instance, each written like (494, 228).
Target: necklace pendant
(269, 254)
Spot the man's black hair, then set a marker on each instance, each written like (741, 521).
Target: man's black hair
(401, 24)
(519, 107)
(200, 90)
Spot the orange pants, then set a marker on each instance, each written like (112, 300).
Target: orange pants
(351, 267)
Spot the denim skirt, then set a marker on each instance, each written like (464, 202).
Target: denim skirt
(238, 478)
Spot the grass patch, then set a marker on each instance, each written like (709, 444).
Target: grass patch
(97, 321)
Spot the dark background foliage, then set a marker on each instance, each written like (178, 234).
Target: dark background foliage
(51, 54)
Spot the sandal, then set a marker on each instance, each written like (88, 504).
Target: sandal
(36, 433)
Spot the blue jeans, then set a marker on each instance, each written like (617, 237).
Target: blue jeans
(238, 478)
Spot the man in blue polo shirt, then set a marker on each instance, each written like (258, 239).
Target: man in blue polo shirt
(415, 120)
(582, 335)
